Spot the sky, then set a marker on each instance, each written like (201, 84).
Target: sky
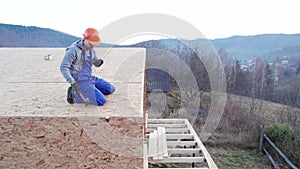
(213, 18)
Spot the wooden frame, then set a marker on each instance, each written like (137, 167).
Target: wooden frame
(177, 141)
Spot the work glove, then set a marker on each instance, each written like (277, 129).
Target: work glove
(70, 96)
(75, 87)
(98, 63)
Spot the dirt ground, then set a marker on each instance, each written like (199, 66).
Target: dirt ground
(39, 129)
(29, 142)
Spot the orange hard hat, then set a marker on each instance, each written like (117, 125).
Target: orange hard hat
(92, 35)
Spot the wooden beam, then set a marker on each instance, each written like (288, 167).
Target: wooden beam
(181, 143)
(165, 145)
(166, 121)
(280, 153)
(150, 125)
(207, 156)
(171, 130)
(162, 143)
(146, 117)
(184, 150)
(145, 156)
(179, 160)
(180, 136)
(182, 168)
(271, 159)
(159, 143)
(153, 144)
(177, 130)
(261, 140)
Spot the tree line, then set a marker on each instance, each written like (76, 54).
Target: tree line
(277, 81)
(264, 79)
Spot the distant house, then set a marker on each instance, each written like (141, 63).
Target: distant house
(271, 64)
(244, 68)
(157, 80)
(284, 63)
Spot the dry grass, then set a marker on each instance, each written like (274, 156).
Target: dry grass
(235, 141)
(269, 111)
(231, 157)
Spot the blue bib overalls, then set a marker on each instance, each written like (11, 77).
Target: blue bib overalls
(91, 87)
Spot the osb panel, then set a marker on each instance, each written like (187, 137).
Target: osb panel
(39, 142)
(38, 99)
(32, 86)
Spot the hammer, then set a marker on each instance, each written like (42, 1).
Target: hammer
(86, 100)
(77, 89)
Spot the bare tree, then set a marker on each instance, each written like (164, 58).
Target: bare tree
(289, 91)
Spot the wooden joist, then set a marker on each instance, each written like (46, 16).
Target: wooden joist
(179, 136)
(179, 160)
(209, 160)
(150, 125)
(166, 121)
(182, 168)
(184, 150)
(145, 156)
(182, 142)
(171, 130)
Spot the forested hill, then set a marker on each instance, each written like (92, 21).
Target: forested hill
(241, 47)
(32, 36)
(264, 45)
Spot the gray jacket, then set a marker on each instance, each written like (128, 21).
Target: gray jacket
(74, 59)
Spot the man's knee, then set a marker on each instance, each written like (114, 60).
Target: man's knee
(112, 89)
(108, 90)
(101, 102)
(100, 98)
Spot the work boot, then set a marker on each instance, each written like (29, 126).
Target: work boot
(70, 96)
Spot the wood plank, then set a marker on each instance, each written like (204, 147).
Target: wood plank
(209, 160)
(177, 130)
(149, 125)
(164, 143)
(275, 165)
(280, 152)
(160, 148)
(184, 150)
(171, 130)
(182, 168)
(181, 143)
(166, 121)
(146, 120)
(145, 156)
(179, 160)
(153, 144)
(180, 136)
